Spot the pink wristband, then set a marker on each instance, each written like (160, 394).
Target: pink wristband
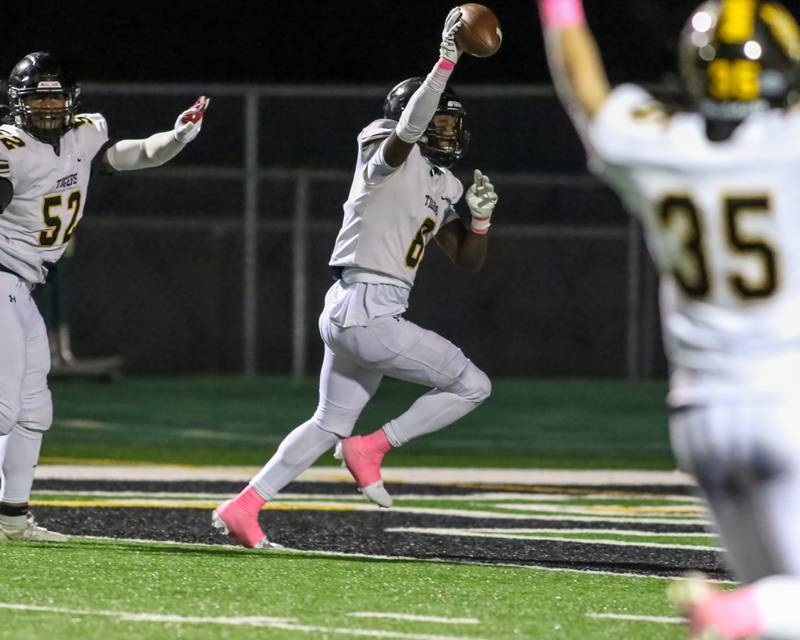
(445, 64)
(562, 14)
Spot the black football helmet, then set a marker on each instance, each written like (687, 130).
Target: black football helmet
(442, 146)
(739, 57)
(41, 74)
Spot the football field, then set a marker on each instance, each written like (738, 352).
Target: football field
(553, 512)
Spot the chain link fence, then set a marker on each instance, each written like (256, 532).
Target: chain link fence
(217, 262)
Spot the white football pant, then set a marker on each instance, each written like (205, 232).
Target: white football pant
(356, 360)
(26, 409)
(746, 459)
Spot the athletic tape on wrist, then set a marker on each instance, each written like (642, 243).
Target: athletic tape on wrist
(480, 224)
(562, 14)
(445, 65)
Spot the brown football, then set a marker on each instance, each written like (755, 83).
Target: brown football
(480, 33)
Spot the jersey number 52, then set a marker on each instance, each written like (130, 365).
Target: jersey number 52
(52, 218)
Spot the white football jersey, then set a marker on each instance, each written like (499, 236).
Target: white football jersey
(391, 214)
(722, 222)
(49, 193)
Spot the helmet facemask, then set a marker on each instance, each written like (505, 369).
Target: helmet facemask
(446, 139)
(44, 118)
(42, 98)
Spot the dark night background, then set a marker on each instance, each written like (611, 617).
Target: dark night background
(161, 262)
(349, 41)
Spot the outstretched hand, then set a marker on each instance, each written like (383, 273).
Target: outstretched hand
(449, 49)
(189, 123)
(481, 200)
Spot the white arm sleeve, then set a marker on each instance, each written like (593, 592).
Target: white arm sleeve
(422, 106)
(127, 155)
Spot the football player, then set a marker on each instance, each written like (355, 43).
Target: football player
(717, 192)
(403, 195)
(47, 152)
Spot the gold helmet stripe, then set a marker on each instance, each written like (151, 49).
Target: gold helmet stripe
(737, 21)
(784, 28)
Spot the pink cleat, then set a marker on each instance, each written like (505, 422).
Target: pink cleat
(715, 614)
(238, 518)
(363, 455)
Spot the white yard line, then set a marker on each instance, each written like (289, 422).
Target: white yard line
(287, 624)
(426, 475)
(412, 618)
(598, 530)
(632, 618)
(509, 534)
(128, 616)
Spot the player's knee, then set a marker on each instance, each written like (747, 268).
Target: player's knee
(9, 414)
(37, 419)
(473, 384)
(336, 420)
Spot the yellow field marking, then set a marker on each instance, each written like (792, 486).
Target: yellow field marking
(546, 489)
(621, 509)
(93, 425)
(183, 504)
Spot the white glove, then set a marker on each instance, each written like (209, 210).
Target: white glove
(449, 49)
(189, 123)
(481, 200)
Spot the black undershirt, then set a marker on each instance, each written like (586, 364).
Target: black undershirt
(6, 193)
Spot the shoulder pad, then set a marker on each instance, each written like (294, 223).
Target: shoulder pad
(376, 130)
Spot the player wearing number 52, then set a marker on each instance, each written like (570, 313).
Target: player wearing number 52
(47, 153)
(717, 192)
(403, 195)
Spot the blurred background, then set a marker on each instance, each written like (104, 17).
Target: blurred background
(217, 263)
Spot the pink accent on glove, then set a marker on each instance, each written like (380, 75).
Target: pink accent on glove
(562, 14)
(445, 65)
(196, 112)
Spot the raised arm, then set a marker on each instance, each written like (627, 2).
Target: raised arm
(467, 248)
(127, 155)
(423, 104)
(574, 59)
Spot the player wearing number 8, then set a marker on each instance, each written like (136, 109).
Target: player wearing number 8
(402, 197)
(717, 192)
(47, 152)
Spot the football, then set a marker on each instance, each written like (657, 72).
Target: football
(480, 34)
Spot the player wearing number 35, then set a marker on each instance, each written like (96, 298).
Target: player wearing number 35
(47, 153)
(717, 191)
(403, 195)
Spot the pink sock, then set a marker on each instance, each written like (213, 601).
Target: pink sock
(250, 500)
(734, 613)
(377, 441)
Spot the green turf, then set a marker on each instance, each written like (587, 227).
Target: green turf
(526, 423)
(184, 580)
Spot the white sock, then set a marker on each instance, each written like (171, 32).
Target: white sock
(19, 464)
(433, 411)
(778, 598)
(298, 451)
